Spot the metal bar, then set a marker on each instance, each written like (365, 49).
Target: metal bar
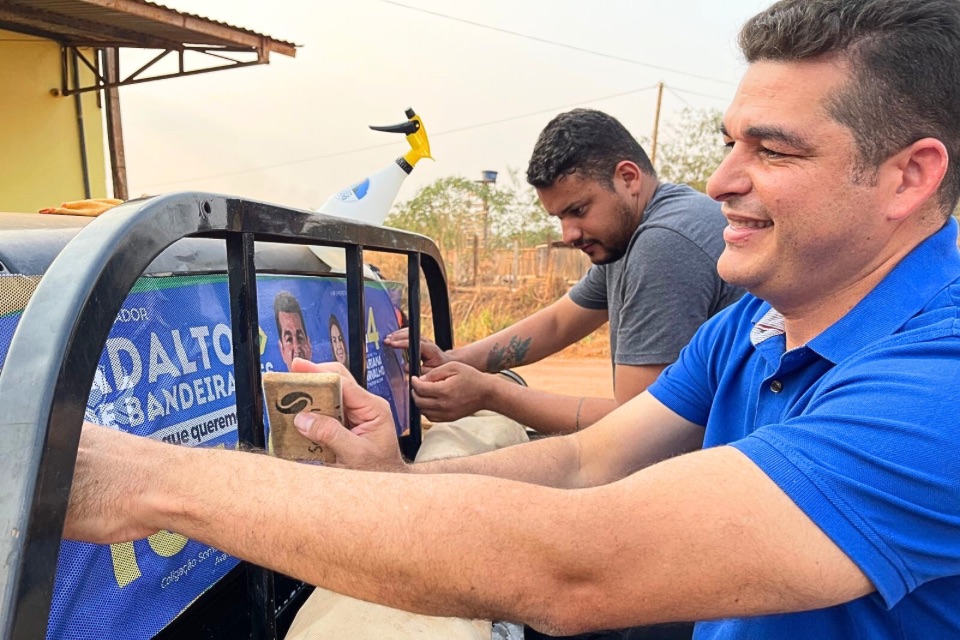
(152, 62)
(246, 354)
(211, 50)
(439, 300)
(241, 273)
(81, 129)
(83, 58)
(261, 597)
(64, 74)
(53, 356)
(217, 55)
(129, 81)
(101, 78)
(43, 391)
(413, 321)
(356, 314)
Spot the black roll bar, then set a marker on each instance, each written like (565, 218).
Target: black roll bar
(52, 360)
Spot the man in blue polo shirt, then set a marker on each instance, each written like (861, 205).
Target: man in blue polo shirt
(818, 495)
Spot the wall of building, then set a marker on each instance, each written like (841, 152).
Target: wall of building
(40, 155)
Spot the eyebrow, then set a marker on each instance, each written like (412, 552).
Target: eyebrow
(574, 205)
(762, 132)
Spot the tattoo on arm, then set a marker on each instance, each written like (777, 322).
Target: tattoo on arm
(511, 355)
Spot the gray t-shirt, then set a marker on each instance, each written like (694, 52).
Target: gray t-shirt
(666, 285)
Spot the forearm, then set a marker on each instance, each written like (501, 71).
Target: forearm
(370, 535)
(551, 462)
(533, 338)
(521, 343)
(548, 413)
(554, 414)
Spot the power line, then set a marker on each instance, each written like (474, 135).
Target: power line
(391, 144)
(555, 43)
(702, 95)
(268, 166)
(678, 96)
(551, 109)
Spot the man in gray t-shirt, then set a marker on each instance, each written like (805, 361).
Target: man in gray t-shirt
(666, 285)
(654, 247)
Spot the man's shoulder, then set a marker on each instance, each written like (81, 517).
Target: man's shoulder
(679, 199)
(687, 212)
(934, 332)
(914, 313)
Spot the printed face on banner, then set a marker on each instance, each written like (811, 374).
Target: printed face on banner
(293, 338)
(337, 343)
(166, 372)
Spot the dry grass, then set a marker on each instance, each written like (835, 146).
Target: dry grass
(479, 311)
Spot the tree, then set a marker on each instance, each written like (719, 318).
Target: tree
(439, 211)
(695, 151)
(451, 209)
(522, 219)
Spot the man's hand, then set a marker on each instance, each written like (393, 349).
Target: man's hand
(431, 356)
(452, 391)
(106, 483)
(371, 442)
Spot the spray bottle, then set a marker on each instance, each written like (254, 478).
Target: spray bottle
(370, 199)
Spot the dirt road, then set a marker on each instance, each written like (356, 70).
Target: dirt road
(571, 376)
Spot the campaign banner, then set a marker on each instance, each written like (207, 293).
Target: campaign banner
(166, 372)
(309, 320)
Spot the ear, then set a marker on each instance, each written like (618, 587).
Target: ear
(629, 175)
(916, 173)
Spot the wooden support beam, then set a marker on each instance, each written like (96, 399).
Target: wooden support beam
(118, 161)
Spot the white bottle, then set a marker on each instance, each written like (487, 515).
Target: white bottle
(369, 200)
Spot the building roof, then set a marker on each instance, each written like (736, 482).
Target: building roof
(132, 23)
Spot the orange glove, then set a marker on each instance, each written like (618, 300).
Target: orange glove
(91, 208)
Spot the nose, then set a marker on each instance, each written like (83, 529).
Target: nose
(571, 232)
(730, 179)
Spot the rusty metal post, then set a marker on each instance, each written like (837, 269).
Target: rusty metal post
(476, 257)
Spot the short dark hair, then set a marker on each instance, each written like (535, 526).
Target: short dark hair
(585, 141)
(286, 302)
(343, 338)
(334, 322)
(904, 62)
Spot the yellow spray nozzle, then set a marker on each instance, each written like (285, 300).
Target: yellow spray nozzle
(416, 135)
(419, 142)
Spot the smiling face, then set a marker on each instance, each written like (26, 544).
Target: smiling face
(337, 345)
(802, 224)
(597, 219)
(293, 338)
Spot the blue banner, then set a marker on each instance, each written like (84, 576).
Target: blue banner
(166, 373)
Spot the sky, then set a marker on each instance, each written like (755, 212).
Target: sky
(485, 78)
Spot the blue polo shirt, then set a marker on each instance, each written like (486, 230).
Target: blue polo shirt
(861, 428)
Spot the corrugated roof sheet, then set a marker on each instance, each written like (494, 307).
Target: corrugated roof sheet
(130, 23)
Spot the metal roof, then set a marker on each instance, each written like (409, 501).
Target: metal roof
(131, 23)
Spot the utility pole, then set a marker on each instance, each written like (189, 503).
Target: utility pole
(488, 178)
(656, 124)
(486, 221)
